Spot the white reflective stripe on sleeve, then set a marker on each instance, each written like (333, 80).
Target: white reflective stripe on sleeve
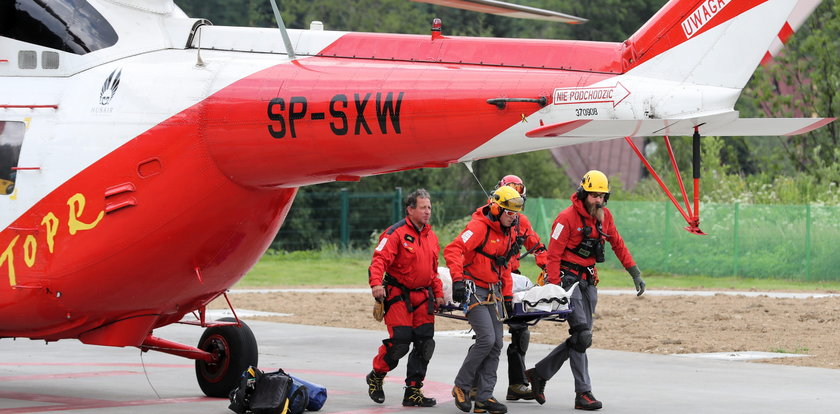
(466, 235)
(557, 230)
(381, 244)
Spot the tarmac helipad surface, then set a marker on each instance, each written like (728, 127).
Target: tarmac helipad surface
(70, 377)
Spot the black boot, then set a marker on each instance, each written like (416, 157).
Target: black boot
(374, 382)
(519, 392)
(587, 401)
(491, 406)
(537, 385)
(414, 398)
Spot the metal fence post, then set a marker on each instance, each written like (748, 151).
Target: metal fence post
(808, 241)
(666, 237)
(398, 204)
(345, 218)
(735, 241)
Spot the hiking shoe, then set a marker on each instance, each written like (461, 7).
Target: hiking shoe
(490, 406)
(537, 385)
(462, 399)
(587, 401)
(519, 392)
(374, 382)
(414, 398)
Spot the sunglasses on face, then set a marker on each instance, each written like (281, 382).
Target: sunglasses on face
(597, 195)
(511, 213)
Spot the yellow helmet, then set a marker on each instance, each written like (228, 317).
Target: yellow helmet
(595, 181)
(507, 198)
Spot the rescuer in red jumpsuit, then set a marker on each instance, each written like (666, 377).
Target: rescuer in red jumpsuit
(479, 261)
(576, 245)
(403, 274)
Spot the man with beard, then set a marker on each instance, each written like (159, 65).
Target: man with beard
(577, 244)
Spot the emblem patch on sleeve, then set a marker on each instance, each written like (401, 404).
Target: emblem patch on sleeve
(557, 230)
(382, 244)
(466, 235)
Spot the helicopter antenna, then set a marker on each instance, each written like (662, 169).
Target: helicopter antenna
(199, 62)
(283, 32)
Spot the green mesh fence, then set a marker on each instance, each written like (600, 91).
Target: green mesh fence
(353, 219)
(761, 241)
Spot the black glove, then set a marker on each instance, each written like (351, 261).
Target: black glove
(567, 279)
(459, 291)
(509, 306)
(636, 274)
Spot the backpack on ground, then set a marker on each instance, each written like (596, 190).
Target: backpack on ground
(260, 392)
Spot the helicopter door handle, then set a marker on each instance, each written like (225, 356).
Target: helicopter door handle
(502, 102)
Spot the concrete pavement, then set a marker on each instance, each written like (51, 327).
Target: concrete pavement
(70, 377)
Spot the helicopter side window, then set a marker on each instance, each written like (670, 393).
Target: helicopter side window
(11, 138)
(70, 25)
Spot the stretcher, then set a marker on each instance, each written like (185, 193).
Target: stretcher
(453, 311)
(531, 304)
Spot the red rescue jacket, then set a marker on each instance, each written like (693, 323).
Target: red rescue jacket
(408, 256)
(524, 229)
(461, 256)
(567, 233)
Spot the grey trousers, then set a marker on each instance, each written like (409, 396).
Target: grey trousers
(584, 299)
(482, 360)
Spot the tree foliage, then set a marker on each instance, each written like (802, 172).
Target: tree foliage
(805, 82)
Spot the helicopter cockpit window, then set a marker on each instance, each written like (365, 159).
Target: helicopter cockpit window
(11, 138)
(70, 25)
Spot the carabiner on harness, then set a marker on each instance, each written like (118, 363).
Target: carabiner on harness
(470, 287)
(494, 298)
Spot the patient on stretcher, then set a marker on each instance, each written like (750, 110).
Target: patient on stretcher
(530, 298)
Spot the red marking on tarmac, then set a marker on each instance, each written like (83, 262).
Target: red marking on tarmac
(437, 390)
(70, 403)
(67, 375)
(94, 364)
(375, 410)
(65, 403)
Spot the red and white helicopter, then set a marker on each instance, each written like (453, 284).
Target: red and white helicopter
(149, 158)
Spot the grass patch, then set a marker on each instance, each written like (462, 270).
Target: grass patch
(334, 267)
(328, 267)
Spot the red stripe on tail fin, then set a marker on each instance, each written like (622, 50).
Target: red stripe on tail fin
(785, 33)
(679, 21)
(766, 59)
